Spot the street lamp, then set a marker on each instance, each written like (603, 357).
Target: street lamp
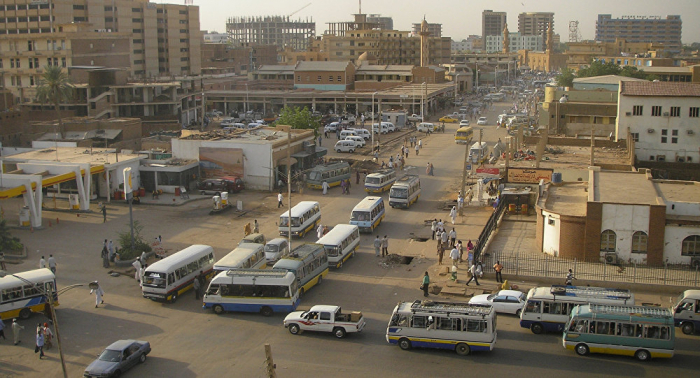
(49, 296)
(372, 123)
(457, 86)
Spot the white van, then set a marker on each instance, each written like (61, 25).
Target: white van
(390, 126)
(345, 146)
(376, 128)
(425, 127)
(363, 133)
(347, 133)
(333, 126)
(359, 141)
(227, 122)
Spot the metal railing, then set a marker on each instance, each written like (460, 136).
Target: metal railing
(528, 265)
(488, 229)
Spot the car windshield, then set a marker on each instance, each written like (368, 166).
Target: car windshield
(271, 248)
(331, 250)
(285, 223)
(111, 355)
(490, 297)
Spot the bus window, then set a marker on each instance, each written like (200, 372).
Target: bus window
(418, 322)
(579, 326)
(476, 325)
(533, 307)
(171, 279)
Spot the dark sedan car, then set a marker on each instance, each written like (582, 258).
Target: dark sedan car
(231, 184)
(118, 358)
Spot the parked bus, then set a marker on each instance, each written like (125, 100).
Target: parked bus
(461, 327)
(340, 243)
(305, 217)
(380, 180)
(245, 256)
(405, 191)
(464, 135)
(642, 332)
(332, 173)
(308, 262)
(19, 297)
(686, 311)
(252, 290)
(368, 213)
(167, 279)
(548, 308)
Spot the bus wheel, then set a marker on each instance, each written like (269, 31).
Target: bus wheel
(218, 309)
(319, 280)
(294, 329)
(339, 332)
(688, 328)
(340, 265)
(301, 292)
(582, 349)
(173, 299)
(642, 355)
(405, 344)
(25, 313)
(266, 311)
(462, 349)
(537, 328)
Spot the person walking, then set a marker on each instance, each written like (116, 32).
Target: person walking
(98, 294)
(196, 285)
(453, 237)
(105, 257)
(445, 237)
(417, 149)
(570, 278)
(385, 246)
(426, 284)
(52, 264)
(343, 185)
(279, 200)
(319, 231)
(377, 245)
(42, 263)
(357, 177)
(440, 253)
(433, 228)
(453, 214)
(48, 336)
(427, 169)
(498, 268)
(110, 249)
(460, 249)
(473, 271)
(432, 169)
(39, 343)
(2, 330)
(420, 143)
(325, 187)
(15, 331)
(256, 227)
(347, 186)
(104, 213)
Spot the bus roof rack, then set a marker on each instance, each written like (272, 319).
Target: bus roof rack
(631, 310)
(460, 308)
(257, 272)
(589, 291)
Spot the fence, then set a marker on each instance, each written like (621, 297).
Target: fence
(527, 265)
(490, 226)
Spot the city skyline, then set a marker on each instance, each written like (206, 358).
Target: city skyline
(456, 24)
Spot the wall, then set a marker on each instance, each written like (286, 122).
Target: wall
(551, 234)
(572, 231)
(625, 220)
(673, 242)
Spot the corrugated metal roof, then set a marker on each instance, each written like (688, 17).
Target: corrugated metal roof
(660, 88)
(321, 66)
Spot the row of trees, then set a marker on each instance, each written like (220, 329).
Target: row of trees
(598, 68)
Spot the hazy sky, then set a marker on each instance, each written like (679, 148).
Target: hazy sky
(459, 18)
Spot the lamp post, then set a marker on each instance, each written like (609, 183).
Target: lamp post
(457, 86)
(372, 128)
(245, 108)
(49, 296)
(423, 106)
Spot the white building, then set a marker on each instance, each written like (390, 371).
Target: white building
(662, 118)
(461, 46)
(494, 43)
(215, 37)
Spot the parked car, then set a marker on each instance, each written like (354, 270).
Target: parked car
(504, 301)
(344, 146)
(231, 184)
(117, 358)
(332, 127)
(254, 238)
(325, 318)
(449, 119)
(464, 122)
(482, 121)
(275, 249)
(415, 118)
(424, 127)
(359, 141)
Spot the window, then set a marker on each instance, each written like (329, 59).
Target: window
(298, 78)
(339, 79)
(138, 31)
(664, 134)
(635, 136)
(694, 112)
(136, 10)
(639, 242)
(675, 111)
(691, 246)
(78, 7)
(330, 78)
(656, 111)
(608, 239)
(319, 78)
(674, 136)
(137, 20)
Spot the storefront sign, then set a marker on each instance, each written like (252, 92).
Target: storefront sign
(529, 176)
(490, 171)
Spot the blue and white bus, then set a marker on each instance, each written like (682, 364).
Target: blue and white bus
(308, 262)
(368, 213)
(305, 217)
(253, 290)
(405, 191)
(167, 279)
(18, 298)
(380, 181)
(245, 256)
(340, 243)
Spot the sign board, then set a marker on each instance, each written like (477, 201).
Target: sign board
(490, 171)
(128, 187)
(469, 167)
(39, 2)
(403, 96)
(529, 176)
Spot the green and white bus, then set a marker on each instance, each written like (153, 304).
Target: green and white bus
(639, 331)
(332, 173)
(308, 262)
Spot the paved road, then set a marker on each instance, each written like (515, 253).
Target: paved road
(190, 342)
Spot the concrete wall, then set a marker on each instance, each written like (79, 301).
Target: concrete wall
(556, 141)
(682, 208)
(625, 220)
(594, 217)
(673, 242)
(551, 233)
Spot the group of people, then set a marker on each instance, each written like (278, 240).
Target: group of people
(198, 285)
(51, 263)
(43, 337)
(108, 254)
(382, 244)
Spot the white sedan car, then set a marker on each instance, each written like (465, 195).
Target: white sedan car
(504, 301)
(482, 121)
(464, 122)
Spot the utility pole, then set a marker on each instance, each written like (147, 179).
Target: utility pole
(269, 365)
(464, 178)
(289, 202)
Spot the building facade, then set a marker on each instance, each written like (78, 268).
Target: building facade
(492, 23)
(222, 58)
(279, 31)
(641, 29)
(435, 30)
(535, 23)
(518, 41)
(384, 22)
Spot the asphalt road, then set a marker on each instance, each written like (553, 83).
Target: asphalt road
(190, 342)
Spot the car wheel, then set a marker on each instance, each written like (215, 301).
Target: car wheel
(582, 349)
(25, 313)
(294, 329)
(339, 332)
(462, 349)
(517, 313)
(537, 328)
(643, 355)
(117, 373)
(338, 151)
(266, 311)
(218, 309)
(405, 344)
(351, 150)
(142, 358)
(688, 328)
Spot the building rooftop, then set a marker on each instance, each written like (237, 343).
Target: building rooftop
(657, 89)
(571, 157)
(269, 68)
(569, 199)
(92, 156)
(632, 188)
(606, 79)
(321, 66)
(258, 135)
(678, 191)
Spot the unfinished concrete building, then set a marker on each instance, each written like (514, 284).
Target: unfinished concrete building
(271, 30)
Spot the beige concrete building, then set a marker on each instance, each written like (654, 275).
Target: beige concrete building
(535, 23)
(279, 31)
(641, 29)
(223, 58)
(492, 23)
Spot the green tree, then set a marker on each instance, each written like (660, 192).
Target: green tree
(566, 79)
(598, 68)
(54, 87)
(7, 241)
(298, 118)
(124, 239)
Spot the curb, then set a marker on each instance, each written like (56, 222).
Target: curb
(127, 263)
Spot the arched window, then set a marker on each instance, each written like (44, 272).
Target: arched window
(639, 242)
(691, 246)
(608, 240)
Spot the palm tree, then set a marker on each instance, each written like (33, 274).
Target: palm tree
(54, 87)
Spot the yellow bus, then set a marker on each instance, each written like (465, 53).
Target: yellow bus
(464, 135)
(23, 293)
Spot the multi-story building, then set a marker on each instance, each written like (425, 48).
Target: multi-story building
(518, 41)
(165, 38)
(215, 37)
(384, 22)
(492, 23)
(641, 29)
(462, 46)
(535, 23)
(435, 30)
(221, 58)
(581, 53)
(271, 30)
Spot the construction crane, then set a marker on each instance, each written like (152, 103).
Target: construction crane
(299, 10)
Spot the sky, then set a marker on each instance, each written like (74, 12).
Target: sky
(459, 18)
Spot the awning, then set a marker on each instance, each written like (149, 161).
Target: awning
(321, 151)
(301, 155)
(284, 161)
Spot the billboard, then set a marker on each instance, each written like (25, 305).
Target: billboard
(529, 176)
(220, 162)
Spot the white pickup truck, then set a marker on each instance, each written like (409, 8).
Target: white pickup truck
(415, 118)
(325, 318)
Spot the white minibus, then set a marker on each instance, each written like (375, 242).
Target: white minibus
(344, 146)
(368, 213)
(377, 128)
(405, 191)
(305, 218)
(19, 299)
(424, 127)
(340, 243)
(169, 278)
(245, 256)
(363, 133)
(380, 181)
(347, 133)
(359, 141)
(686, 311)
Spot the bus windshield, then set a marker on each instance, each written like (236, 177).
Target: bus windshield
(372, 180)
(314, 175)
(361, 216)
(399, 193)
(332, 250)
(154, 279)
(284, 222)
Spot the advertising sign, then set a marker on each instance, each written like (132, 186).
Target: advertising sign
(529, 176)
